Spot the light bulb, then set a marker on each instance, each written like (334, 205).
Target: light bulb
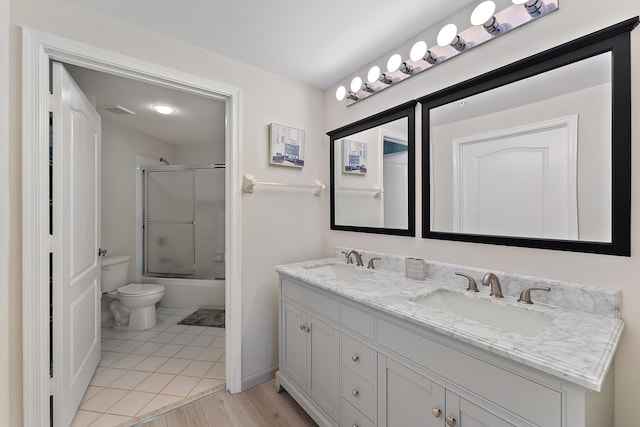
(341, 92)
(418, 51)
(163, 109)
(447, 34)
(373, 74)
(483, 12)
(394, 62)
(356, 84)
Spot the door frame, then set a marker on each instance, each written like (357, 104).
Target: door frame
(38, 48)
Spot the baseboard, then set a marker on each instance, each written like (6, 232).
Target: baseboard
(258, 378)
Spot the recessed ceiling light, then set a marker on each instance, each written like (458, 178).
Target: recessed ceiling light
(163, 109)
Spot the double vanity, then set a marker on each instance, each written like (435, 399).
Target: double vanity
(362, 347)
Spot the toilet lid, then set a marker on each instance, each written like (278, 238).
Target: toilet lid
(140, 289)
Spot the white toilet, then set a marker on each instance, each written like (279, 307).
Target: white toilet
(133, 305)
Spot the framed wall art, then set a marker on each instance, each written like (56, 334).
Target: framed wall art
(287, 146)
(354, 155)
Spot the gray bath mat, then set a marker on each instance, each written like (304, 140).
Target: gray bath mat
(205, 317)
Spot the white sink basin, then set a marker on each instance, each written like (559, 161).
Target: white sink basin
(506, 317)
(339, 271)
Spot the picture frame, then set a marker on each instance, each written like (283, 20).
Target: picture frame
(354, 157)
(287, 146)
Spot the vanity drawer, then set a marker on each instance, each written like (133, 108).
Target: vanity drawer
(358, 321)
(359, 358)
(351, 417)
(358, 392)
(504, 388)
(311, 299)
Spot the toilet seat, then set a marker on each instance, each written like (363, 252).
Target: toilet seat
(140, 289)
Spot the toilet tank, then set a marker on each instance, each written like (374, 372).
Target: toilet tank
(114, 272)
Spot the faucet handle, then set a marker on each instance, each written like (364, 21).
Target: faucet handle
(371, 264)
(472, 282)
(525, 295)
(346, 255)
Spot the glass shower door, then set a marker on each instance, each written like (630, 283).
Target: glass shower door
(169, 223)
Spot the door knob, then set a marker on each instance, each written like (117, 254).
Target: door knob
(436, 412)
(451, 421)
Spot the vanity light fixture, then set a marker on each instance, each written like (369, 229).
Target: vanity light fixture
(419, 51)
(375, 75)
(163, 109)
(534, 8)
(483, 15)
(448, 35)
(395, 63)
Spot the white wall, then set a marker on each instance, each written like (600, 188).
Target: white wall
(278, 225)
(574, 19)
(199, 154)
(120, 146)
(358, 207)
(6, 329)
(594, 157)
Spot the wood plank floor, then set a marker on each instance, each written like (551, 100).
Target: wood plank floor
(260, 406)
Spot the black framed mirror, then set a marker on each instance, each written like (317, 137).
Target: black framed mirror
(536, 153)
(372, 165)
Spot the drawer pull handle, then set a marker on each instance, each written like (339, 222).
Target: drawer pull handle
(436, 412)
(355, 392)
(451, 421)
(355, 357)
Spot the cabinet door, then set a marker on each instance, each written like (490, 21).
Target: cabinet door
(467, 414)
(406, 398)
(324, 381)
(294, 345)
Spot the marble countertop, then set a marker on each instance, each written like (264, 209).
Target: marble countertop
(576, 346)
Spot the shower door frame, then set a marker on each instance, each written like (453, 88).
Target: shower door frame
(38, 49)
(141, 222)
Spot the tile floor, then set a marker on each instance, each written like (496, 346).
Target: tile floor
(142, 373)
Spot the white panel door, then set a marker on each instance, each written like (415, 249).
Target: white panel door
(395, 183)
(518, 182)
(76, 225)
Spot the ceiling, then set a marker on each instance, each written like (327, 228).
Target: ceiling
(315, 42)
(197, 120)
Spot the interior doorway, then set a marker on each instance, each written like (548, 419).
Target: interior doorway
(40, 387)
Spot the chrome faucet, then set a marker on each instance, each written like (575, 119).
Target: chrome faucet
(490, 279)
(356, 254)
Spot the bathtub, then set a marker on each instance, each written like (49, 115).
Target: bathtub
(189, 293)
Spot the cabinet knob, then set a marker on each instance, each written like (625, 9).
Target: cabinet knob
(451, 421)
(436, 412)
(302, 327)
(307, 329)
(355, 425)
(355, 357)
(355, 392)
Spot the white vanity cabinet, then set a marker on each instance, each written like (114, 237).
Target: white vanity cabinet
(310, 354)
(350, 365)
(406, 398)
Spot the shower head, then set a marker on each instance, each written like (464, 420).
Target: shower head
(164, 161)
